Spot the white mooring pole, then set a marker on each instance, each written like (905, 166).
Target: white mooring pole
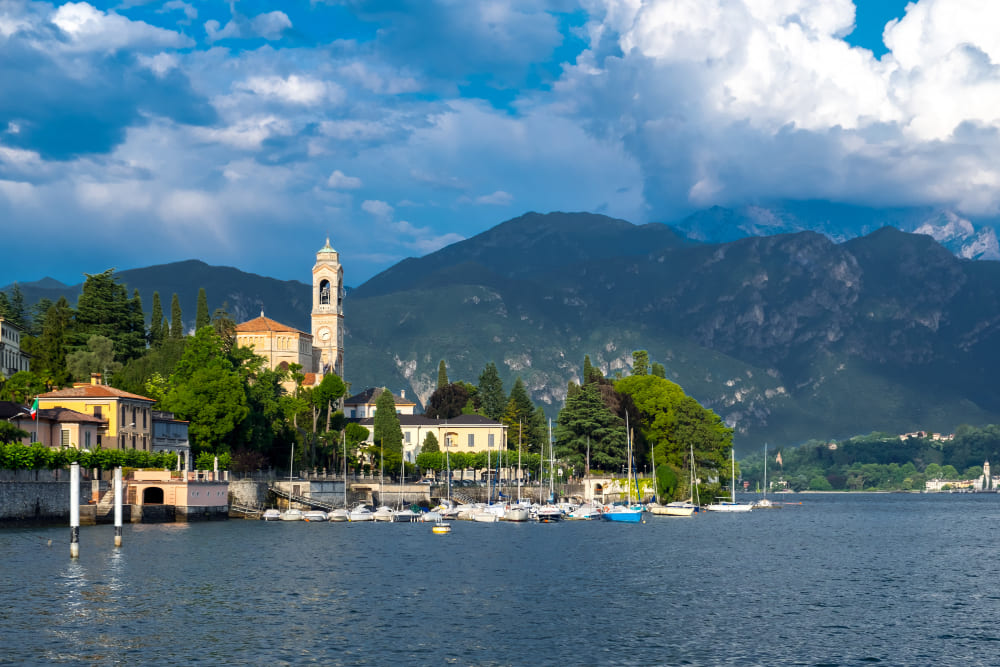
(74, 510)
(118, 506)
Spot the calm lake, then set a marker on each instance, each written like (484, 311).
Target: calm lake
(895, 579)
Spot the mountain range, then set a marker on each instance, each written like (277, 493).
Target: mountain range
(788, 337)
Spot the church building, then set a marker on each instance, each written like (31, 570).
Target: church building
(319, 352)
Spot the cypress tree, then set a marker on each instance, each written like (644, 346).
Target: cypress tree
(640, 362)
(492, 400)
(156, 333)
(201, 318)
(442, 375)
(176, 318)
(588, 369)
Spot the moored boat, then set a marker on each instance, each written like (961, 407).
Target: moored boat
(622, 514)
(360, 513)
(384, 513)
(340, 514)
(292, 515)
(271, 515)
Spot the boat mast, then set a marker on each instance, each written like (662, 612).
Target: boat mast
(552, 467)
(518, 461)
(628, 459)
(765, 470)
(345, 467)
(732, 480)
(652, 457)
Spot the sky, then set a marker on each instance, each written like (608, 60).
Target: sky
(245, 133)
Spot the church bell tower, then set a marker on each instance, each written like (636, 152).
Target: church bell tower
(328, 312)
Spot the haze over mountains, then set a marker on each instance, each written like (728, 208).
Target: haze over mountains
(787, 337)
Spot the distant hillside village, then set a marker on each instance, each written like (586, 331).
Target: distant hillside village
(88, 415)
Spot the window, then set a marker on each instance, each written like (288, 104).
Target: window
(86, 440)
(144, 413)
(406, 437)
(97, 411)
(472, 440)
(489, 440)
(65, 438)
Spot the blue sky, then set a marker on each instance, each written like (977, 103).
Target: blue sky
(244, 133)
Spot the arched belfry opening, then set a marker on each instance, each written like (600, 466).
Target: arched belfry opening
(152, 495)
(324, 292)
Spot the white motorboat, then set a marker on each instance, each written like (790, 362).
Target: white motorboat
(292, 515)
(585, 512)
(271, 515)
(339, 515)
(314, 515)
(431, 517)
(517, 513)
(487, 514)
(384, 513)
(548, 514)
(360, 513)
(406, 516)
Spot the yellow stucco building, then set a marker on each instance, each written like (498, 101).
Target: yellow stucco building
(126, 418)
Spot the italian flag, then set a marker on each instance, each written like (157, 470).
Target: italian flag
(34, 409)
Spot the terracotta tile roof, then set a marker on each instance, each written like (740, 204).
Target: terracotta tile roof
(266, 324)
(310, 379)
(93, 391)
(65, 415)
(421, 420)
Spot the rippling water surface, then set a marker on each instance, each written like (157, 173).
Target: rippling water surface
(838, 580)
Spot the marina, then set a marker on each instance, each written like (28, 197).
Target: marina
(846, 579)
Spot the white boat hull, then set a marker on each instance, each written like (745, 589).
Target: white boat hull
(729, 507)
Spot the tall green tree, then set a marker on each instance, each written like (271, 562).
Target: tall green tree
(97, 357)
(201, 318)
(50, 348)
(673, 423)
(448, 401)
(492, 400)
(659, 370)
(585, 422)
(21, 387)
(225, 326)
(105, 309)
(176, 318)
(206, 390)
(640, 362)
(13, 309)
(156, 332)
(430, 443)
(387, 430)
(442, 375)
(518, 415)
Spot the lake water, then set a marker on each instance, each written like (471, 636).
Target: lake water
(838, 580)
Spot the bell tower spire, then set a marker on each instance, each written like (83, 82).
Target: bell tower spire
(328, 312)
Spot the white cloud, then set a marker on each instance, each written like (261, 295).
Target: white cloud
(269, 26)
(498, 198)
(724, 101)
(248, 133)
(161, 63)
(377, 208)
(190, 12)
(90, 29)
(294, 89)
(339, 181)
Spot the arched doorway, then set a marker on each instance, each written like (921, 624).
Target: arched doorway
(152, 495)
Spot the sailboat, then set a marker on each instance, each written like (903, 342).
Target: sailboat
(682, 507)
(520, 511)
(764, 503)
(342, 514)
(628, 513)
(730, 505)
